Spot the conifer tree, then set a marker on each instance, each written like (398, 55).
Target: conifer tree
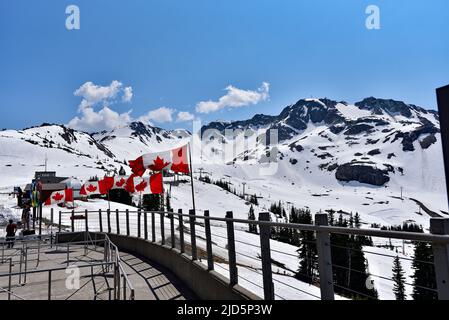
(424, 275)
(398, 279)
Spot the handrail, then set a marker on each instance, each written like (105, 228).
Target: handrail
(443, 239)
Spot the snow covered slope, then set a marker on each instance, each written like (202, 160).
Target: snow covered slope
(330, 155)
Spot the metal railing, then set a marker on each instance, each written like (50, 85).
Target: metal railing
(174, 227)
(122, 287)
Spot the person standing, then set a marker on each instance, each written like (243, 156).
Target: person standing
(26, 217)
(11, 229)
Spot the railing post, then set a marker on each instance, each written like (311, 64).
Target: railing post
(139, 231)
(265, 252)
(51, 215)
(153, 227)
(233, 273)
(440, 226)
(100, 219)
(108, 214)
(162, 228)
(60, 221)
(86, 220)
(127, 222)
(181, 231)
(73, 221)
(49, 284)
(192, 235)
(324, 259)
(210, 258)
(117, 221)
(172, 228)
(145, 225)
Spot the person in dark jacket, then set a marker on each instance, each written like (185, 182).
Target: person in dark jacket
(11, 229)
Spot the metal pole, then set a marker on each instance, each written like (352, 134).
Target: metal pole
(10, 279)
(145, 225)
(51, 215)
(192, 235)
(162, 228)
(153, 227)
(117, 221)
(26, 264)
(172, 228)
(100, 220)
(181, 232)
(49, 284)
(86, 220)
(127, 222)
(441, 257)
(265, 251)
(68, 254)
(324, 259)
(40, 219)
(60, 221)
(210, 258)
(191, 178)
(138, 223)
(73, 221)
(233, 273)
(108, 214)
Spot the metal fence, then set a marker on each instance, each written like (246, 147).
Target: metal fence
(184, 231)
(21, 256)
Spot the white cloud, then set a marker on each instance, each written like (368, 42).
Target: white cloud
(127, 94)
(162, 114)
(105, 119)
(93, 94)
(184, 116)
(235, 98)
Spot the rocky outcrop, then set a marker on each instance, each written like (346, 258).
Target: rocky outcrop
(363, 173)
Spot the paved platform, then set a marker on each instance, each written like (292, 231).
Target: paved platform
(150, 281)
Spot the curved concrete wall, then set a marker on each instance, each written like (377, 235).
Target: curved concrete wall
(207, 285)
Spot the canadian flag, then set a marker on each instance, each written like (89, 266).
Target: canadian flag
(175, 160)
(120, 182)
(60, 197)
(145, 185)
(95, 187)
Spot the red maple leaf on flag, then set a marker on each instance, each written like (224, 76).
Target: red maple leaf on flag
(120, 183)
(141, 186)
(91, 188)
(159, 164)
(58, 196)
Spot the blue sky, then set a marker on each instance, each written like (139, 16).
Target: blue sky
(176, 54)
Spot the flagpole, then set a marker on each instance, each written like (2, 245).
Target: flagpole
(191, 178)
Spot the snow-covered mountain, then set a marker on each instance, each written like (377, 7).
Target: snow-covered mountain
(329, 155)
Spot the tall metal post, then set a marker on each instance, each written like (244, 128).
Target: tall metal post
(117, 221)
(127, 222)
(441, 257)
(145, 225)
(172, 228)
(162, 223)
(192, 235)
(108, 214)
(210, 257)
(265, 231)
(233, 272)
(324, 259)
(100, 219)
(139, 227)
(181, 231)
(153, 227)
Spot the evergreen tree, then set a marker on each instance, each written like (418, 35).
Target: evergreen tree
(307, 251)
(399, 279)
(252, 217)
(120, 196)
(424, 275)
(151, 202)
(167, 202)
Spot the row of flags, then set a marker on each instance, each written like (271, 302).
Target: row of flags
(175, 160)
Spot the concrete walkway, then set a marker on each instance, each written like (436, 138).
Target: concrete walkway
(150, 281)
